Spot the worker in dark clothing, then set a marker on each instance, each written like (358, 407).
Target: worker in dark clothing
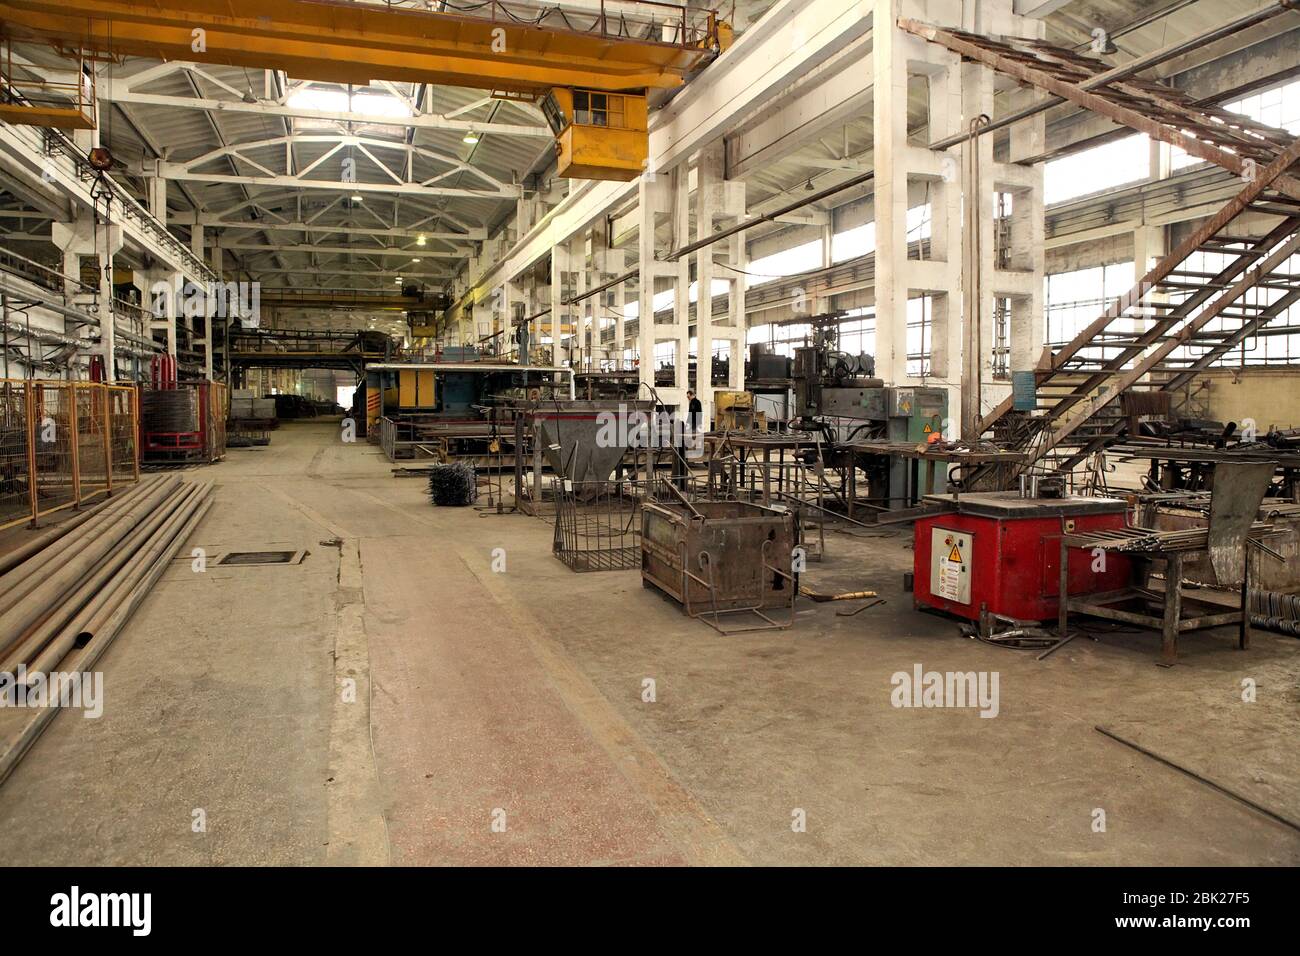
(694, 424)
(694, 413)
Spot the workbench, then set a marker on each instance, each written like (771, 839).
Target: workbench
(1171, 622)
(1191, 467)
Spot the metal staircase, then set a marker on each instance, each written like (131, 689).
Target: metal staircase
(1217, 288)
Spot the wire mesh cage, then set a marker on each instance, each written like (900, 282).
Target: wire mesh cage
(598, 524)
(63, 444)
(92, 441)
(122, 432)
(52, 428)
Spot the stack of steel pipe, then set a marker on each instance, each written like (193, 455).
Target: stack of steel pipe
(66, 594)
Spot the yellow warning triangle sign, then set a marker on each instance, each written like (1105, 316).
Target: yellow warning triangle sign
(927, 429)
(954, 555)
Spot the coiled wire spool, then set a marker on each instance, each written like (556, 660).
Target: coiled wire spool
(170, 410)
(1275, 611)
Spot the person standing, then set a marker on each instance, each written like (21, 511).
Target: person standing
(694, 411)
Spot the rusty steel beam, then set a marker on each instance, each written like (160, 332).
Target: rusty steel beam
(1117, 112)
(1145, 62)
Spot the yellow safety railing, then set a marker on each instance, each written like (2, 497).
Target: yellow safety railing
(63, 445)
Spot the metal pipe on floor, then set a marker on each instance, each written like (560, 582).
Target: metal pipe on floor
(35, 603)
(97, 582)
(12, 559)
(84, 660)
(79, 534)
(92, 618)
(27, 577)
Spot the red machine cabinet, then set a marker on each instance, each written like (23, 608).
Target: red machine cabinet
(1001, 550)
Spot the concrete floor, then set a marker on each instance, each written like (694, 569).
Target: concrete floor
(515, 697)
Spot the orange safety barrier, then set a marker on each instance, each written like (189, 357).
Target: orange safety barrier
(63, 445)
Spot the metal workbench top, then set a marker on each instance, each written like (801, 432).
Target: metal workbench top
(1009, 504)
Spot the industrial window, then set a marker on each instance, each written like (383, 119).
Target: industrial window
(1278, 106)
(858, 332)
(1276, 343)
(919, 220)
(787, 262)
(555, 117)
(919, 325)
(861, 240)
(599, 109)
(782, 339)
(851, 243)
(1088, 171)
(1074, 299)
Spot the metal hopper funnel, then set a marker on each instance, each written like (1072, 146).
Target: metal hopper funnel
(584, 440)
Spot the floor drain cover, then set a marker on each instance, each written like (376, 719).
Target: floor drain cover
(259, 557)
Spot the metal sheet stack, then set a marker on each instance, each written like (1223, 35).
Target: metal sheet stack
(241, 403)
(67, 592)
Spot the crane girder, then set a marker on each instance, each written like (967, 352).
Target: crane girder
(363, 42)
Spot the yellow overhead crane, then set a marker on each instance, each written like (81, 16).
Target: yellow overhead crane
(590, 65)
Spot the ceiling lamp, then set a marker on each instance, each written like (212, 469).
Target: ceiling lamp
(356, 197)
(420, 240)
(415, 260)
(471, 137)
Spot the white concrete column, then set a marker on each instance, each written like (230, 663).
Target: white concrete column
(661, 198)
(719, 202)
(680, 333)
(909, 174)
(156, 197)
(559, 263)
(579, 310)
(84, 237)
(160, 302)
(1019, 276)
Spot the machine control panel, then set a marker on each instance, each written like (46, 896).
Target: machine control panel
(951, 553)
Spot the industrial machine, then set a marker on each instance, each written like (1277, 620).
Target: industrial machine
(452, 410)
(837, 395)
(997, 554)
(735, 412)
